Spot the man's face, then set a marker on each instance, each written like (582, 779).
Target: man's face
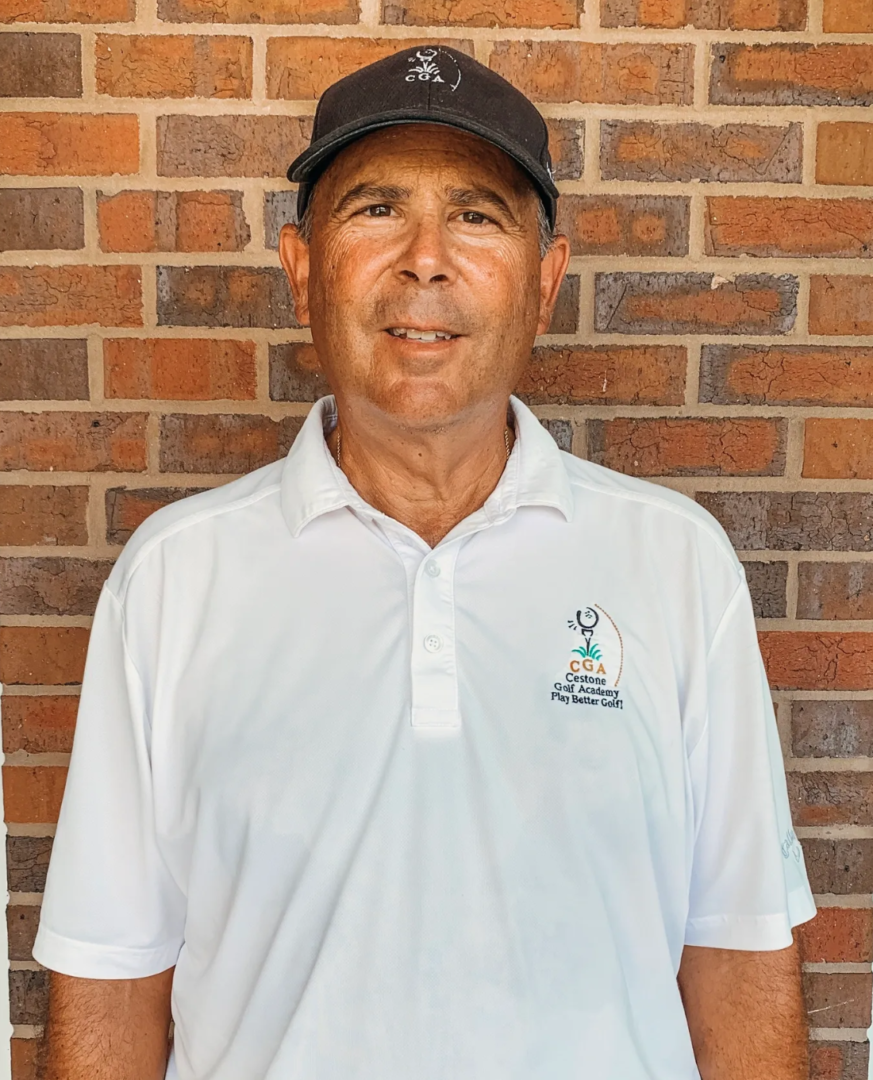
(426, 229)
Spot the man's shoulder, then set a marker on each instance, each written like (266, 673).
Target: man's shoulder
(214, 508)
(672, 507)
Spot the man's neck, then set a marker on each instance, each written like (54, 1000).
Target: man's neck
(428, 481)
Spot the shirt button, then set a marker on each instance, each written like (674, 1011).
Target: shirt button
(432, 569)
(433, 643)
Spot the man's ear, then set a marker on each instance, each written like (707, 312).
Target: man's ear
(294, 253)
(552, 270)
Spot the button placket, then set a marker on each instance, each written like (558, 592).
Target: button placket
(434, 674)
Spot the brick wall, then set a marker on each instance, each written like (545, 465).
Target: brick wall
(715, 334)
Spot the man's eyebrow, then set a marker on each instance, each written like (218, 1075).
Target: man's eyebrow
(478, 195)
(371, 192)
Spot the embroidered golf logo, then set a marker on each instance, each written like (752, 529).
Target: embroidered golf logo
(596, 661)
(427, 69)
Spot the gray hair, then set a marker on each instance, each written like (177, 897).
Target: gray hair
(545, 232)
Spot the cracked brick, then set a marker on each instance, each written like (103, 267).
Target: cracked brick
(68, 144)
(70, 296)
(818, 660)
(27, 859)
(604, 375)
(782, 228)
(67, 11)
(767, 585)
(174, 66)
(794, 520)
(51, 586)
(230, 145)
(840, 305)
(554, 14)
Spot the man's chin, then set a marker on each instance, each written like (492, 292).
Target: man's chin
(422, 403)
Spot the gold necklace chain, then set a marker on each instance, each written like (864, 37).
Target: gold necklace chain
(339, 446)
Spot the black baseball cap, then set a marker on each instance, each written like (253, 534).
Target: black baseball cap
(429, 84)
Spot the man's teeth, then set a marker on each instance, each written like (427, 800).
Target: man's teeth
(420, 335)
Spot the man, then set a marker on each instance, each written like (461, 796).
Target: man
(430, 752)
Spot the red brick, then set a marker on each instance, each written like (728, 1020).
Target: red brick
(32, 794)
(42, 655)
(230, 145)
(302, 68)
(27, 1059)
(22, 921)
(51, 585)
(35, 369)
(839, 590)
(68, 144)
(641, 150)
(39, 725)
(673, 447)
(332, 12)
(706, 14)
(837, 935)
(847, 17)
(792, 74)
(224, 443)
(838, 449)
(172, 221)
(174, 66)
(831, 798)
(40, 65)
(838, 1000)
(611, 74)
(844, 153)
(625, 224)
(838, 1060)
(43, 514)
(127, 508)
(786, 375)
(557, 14)
(605, 375)
(744, 225)
(75, 441)
(70, 295)
(687, 303)
(67, 11)
(186, 369)
(840, 305)
(814, 660)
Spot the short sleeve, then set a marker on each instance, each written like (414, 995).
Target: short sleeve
(748, 878)
(111, 908)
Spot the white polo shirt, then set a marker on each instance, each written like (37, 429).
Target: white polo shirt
(424, 814)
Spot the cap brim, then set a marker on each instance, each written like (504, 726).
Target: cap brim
(306, 166)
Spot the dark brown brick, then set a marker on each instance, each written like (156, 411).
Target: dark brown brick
(224, 443)
(605, 375)
(295, 374)
(794, 520)
(838, 1000)
(22, 921)
(33, 219)
(566, 142)
(127, 508)
(76, 441)
(660, 303)
(259, 11)
(27, 860)
(230, 145)
(565, 317)
(280, 208)
(39, 369)
(767, 584)
(562, 432)
(838, 1060)
(224, 296)
(28, 997)
(43, 514)
(835, 590)
(51, 586)
(640, 150)
(39, 723)
(831, 798)
(706, 14)
(625, 224)
(832, 729)
(841, 867)
(791, 73)
(689, 446)
(786, 375)
(40, 65)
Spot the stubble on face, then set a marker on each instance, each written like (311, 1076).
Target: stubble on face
(427, 227)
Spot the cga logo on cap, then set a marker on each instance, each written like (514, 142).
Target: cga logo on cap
(427, 69)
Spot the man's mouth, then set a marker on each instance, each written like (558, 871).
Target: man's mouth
(421, 335)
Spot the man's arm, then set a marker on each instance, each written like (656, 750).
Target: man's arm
(745, 1013)
(109, 1029)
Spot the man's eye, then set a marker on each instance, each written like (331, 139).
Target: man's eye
(473, 217)
(377, 211)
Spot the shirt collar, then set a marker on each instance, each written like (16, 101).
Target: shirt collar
(312, 484)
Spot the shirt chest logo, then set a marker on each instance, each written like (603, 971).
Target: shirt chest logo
(594, 663)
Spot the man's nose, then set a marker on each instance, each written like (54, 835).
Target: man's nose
(426, 256)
